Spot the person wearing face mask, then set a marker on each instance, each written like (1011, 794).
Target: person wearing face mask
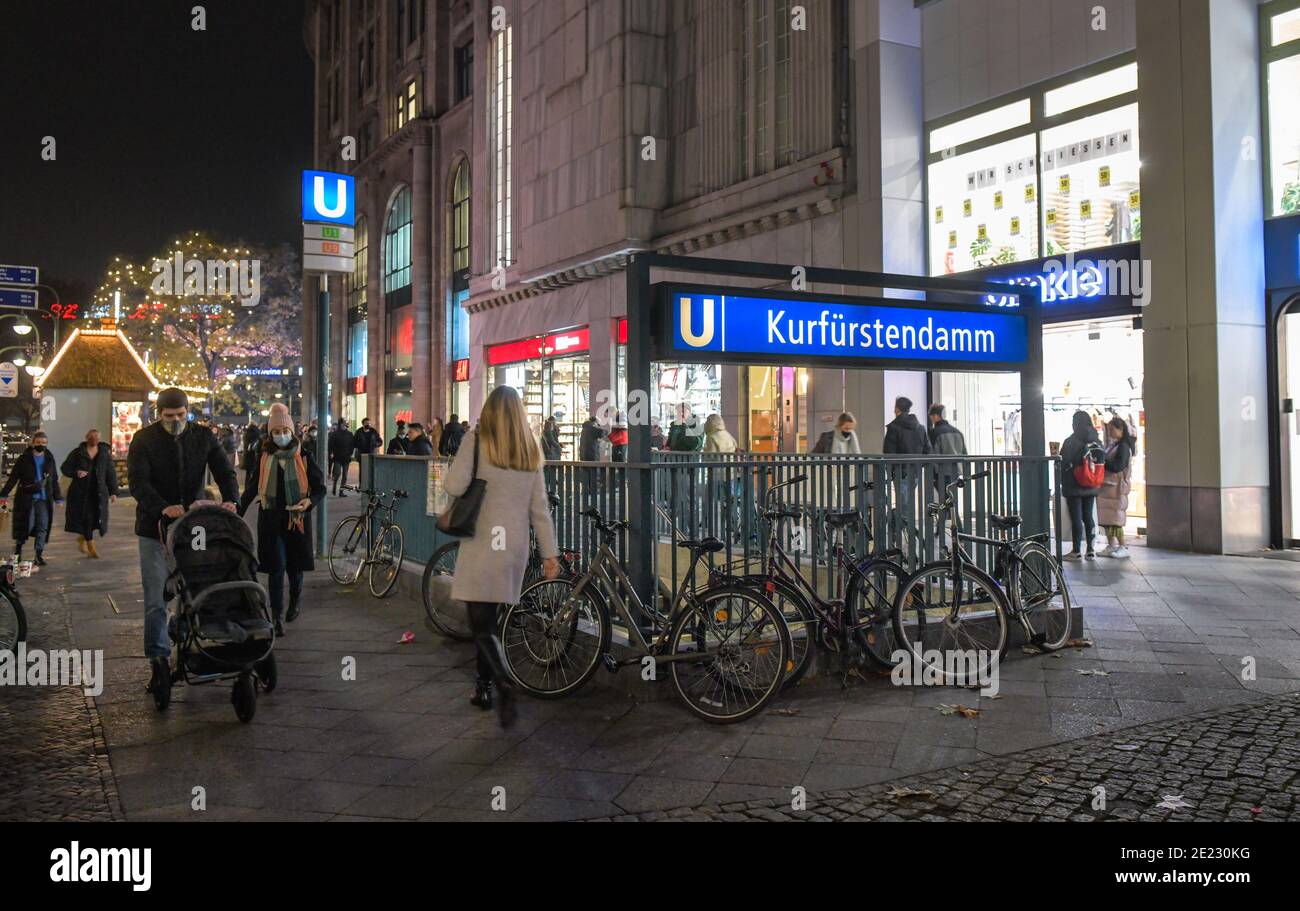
(93, 487)
(397, 445)
(37, 480)
(166, 465)
(289, 483)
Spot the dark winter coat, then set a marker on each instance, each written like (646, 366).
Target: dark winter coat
(420, 446)
(946, 439)
(1084, 440)
(341, 445)
(163, 470)
(87, 500)
(365, 441)
(904, 435)
(552, 449)
(252, 440)
(273, 522)
(24, 476)
(452, 435)
(397, 446)
(588, 441)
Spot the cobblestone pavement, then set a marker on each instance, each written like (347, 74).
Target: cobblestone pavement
(1235, 765)
(1169, 636)
(54, 762)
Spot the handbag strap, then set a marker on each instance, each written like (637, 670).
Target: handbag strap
(474, 475)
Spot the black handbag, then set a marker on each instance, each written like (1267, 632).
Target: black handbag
(461, 515)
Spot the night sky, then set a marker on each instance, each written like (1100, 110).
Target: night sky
(160, 129)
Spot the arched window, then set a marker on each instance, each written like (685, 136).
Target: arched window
(397, 246)
(460, 222)
(356, 282)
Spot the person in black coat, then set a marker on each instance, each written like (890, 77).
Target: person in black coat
(397, 445)
(166, 469)
(1082, 443)
(37, 478)
(341, 444)
(287, 485)
(366, 441)
(452, 434)
(904, 435)
(93, 487)
(418, 444)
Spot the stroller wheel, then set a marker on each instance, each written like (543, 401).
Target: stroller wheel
(244, 697)
(161, 684)
(266, 673)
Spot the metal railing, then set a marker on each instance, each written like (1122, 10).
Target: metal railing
(723, 496)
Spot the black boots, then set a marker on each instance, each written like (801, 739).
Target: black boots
(482, 695)
(295, 606)
(40, 560)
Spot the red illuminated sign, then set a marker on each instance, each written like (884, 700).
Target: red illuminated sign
(460, 370)
(358, 384)
(621, 332)
(558, 344)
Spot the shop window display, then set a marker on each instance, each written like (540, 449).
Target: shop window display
(1091, 192)
(984, 208)
(698, 385)
(1284, 135)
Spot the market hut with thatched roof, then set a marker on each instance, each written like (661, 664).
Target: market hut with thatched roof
(98, 380)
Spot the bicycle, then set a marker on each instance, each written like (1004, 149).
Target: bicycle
(441, 566)
(13, 618)
(953, 605)
(862, 616)
(382, 553)
(726, 647)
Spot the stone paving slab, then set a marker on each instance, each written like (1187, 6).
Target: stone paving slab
(401, 742)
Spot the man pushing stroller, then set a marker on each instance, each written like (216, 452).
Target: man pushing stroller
(166, 466)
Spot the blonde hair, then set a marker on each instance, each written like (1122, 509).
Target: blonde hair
(504, 433)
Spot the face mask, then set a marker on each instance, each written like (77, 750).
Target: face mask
(403, 434)
(38, 448)
(175, 428)
(282, 439)
(312, 434)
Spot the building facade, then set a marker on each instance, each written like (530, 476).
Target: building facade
(511, 156)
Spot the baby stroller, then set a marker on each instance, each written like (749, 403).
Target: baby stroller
(221, 627)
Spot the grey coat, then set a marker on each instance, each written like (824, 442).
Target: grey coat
(512, 501)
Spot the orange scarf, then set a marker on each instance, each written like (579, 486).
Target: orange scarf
(295, 487)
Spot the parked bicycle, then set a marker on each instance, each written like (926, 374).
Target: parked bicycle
(356, 546)
(860, 617)
(951, 605)
(725, 646)
(13, 618)
(447, 615)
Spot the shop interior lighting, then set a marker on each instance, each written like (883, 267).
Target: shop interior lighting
(988, 123)
(1087, 91)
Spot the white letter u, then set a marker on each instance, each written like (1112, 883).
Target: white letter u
(340, 198)
(705, 336)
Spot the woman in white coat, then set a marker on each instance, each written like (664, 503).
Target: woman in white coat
(1112, 499)
(490, 565)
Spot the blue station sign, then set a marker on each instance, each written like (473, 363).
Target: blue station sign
(328, 197)
(737, 325)
(18, 297)
(20, 275)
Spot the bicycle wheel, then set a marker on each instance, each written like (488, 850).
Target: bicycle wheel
(957, 627)
(800, 620)
(13, 621)
(869, 605)
(347, 553)
(447, 615)
(742, 646)
(1038, 591)
(386, 560)
(552, 641)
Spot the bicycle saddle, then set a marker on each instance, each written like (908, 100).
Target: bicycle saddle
(843, 518)
(1005, 522)
(703, 546)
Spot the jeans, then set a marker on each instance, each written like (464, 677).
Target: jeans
(38, 525)
(339, 474)
(483, 621)
(1082, 525)
(275, 582)
(153, 578)
(903, 515)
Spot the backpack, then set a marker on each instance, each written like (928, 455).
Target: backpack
(1090, 473)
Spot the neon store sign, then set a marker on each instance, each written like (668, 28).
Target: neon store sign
(1086, 282)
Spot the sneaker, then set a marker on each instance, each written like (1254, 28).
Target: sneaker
(1120, 552)
(1090, 555)
(1108, 551)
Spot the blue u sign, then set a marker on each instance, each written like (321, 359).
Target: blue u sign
(824, 329)
(328, 197)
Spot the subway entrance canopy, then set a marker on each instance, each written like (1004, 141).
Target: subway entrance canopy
(894, 322)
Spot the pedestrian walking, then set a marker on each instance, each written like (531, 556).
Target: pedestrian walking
(397, 445)
(367, 440)
(552, 449)
(166, 465)
(945, 439)
(341, 444)
(417, 444)
(506, 457)
(684, 434)
(1082, 474)
(289, 485)
(452, 435)
(93, 487)
(716, 436)
(1112, 499)
(36, 475)
(904, 435)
